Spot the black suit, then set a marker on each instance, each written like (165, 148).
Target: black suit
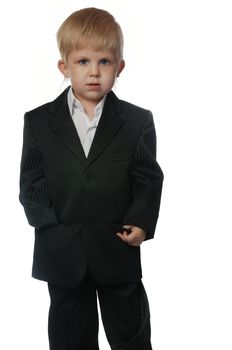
(76, 204)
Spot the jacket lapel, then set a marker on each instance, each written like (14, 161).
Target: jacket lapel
(110, 122)
(63, 125)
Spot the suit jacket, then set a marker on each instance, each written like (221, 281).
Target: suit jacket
(77, 204)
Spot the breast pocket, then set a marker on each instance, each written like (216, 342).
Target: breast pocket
(117, 156)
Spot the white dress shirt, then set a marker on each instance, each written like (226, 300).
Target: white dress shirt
(85, 127)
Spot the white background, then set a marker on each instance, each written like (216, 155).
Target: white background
(178, 64)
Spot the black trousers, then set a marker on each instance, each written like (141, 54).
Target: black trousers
(73, 316)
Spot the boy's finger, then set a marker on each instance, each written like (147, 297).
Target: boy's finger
(127, 238)
(126, 229)
(120, 235)
(123, 236)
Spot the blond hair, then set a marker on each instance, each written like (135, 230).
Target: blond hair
(90, 27)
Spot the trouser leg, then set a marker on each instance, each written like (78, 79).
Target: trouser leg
(73, 317)
(125, 315)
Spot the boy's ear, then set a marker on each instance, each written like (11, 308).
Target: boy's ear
(120, 67)
(63, 67)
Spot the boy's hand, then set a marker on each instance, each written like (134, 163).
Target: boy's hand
(135, 237)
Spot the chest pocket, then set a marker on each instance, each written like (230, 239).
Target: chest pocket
(117, 156)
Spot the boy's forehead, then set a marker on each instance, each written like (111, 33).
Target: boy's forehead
(88, 50)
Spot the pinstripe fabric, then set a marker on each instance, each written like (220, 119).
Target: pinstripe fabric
(77, 204)
(73, 318)
(33, 191)
(147, 180)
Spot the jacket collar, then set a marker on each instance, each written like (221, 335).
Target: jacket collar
(110, 123)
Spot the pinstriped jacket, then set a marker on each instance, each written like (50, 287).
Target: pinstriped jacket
(77, 204)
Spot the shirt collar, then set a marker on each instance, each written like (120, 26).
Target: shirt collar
(74, 103)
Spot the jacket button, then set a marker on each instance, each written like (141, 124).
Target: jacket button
(86, 176)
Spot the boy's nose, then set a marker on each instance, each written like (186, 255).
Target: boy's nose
(94, 70)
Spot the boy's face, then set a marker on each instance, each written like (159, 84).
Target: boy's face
(92, 73)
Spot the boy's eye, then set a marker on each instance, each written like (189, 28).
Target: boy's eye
(83, 61)
(104, 61)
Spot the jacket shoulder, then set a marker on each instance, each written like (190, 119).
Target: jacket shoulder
(46, 107)
(135, 114)
(132, 107)
(38, 110)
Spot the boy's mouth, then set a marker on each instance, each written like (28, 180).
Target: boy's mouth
(93, 85)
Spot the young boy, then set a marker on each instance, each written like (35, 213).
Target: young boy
(91, 187)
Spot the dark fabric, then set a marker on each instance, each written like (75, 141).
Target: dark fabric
(73, 316)
(77, 204)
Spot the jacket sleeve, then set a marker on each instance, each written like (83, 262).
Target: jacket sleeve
(147, 179)
(33, 192)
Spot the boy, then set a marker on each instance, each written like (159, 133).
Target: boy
(91, 187)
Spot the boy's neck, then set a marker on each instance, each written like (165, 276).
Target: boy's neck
(88, 105)
(89, 108)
